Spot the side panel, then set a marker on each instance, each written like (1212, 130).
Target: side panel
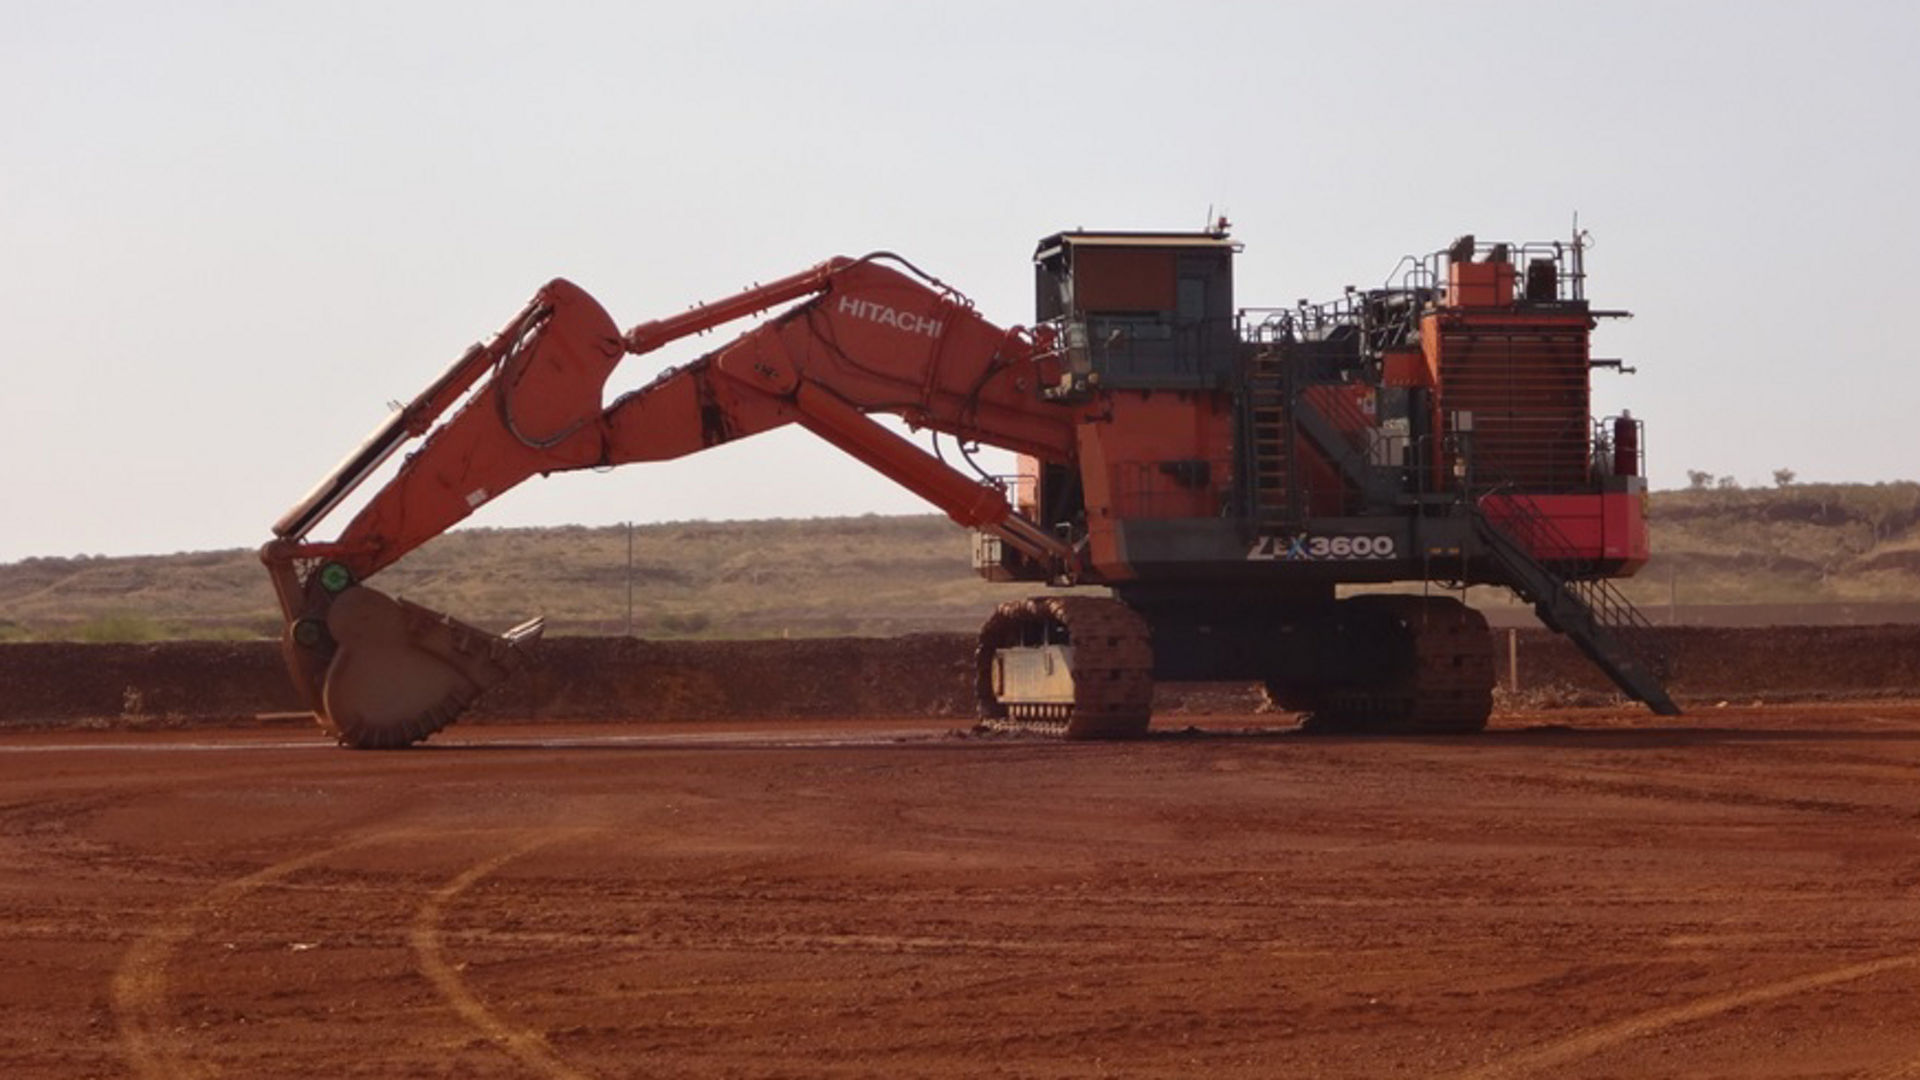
(1155, 455)
(1609, 528)
(1604, 533)
(1035, 676)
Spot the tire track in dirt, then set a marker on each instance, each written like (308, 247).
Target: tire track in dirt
(524, 1045)
(149, 1036)
(141, 1010)
(1593, 1040)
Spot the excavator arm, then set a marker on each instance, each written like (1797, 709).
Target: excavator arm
(864, 338)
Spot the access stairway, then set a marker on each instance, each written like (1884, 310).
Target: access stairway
(1599, 619)
(1280, 413)
(1276, 509)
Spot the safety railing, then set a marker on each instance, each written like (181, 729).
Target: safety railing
(1567, 257)
(1384, 319)
(1616, 438)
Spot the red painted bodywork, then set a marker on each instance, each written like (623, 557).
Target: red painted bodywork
(862, 337)
(1608, 529)
(870, 339)
(1152, 455)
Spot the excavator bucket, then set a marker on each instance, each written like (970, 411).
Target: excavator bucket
(400, 672)
(381, 672)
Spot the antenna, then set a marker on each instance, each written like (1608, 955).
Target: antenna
(1580, 243)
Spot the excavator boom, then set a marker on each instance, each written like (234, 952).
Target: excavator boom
(864, 338)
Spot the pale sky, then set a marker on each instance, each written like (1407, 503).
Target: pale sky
(233, 232)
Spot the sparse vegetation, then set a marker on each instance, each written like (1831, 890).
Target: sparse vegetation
(1795, 543)
(119, 629)
(1804, 543)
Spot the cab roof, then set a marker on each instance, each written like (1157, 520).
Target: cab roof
(1080, 238)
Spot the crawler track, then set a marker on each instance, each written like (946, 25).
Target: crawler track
(1436, 670)
(1112, 668)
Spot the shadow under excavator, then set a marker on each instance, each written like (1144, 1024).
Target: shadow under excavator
(1544, 735)
(1569, 735)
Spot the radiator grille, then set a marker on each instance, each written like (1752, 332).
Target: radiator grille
(1527, 391)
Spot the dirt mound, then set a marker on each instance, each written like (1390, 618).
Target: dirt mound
(65, 681)
(571, 679)
(916, 675)
(1774, 663)
(626, 678)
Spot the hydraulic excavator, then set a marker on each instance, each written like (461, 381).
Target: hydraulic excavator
(1223, 471)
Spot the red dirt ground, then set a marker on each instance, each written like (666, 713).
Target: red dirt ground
(1583, 893)
(784, 864)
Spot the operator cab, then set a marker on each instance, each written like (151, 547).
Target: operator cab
(1138, 309)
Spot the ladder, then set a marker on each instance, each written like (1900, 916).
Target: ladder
(1277, 508)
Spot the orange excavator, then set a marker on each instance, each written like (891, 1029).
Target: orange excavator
(1222, 470)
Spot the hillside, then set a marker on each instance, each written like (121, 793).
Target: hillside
(1817, 543)
(830, 576)
(876, 576)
